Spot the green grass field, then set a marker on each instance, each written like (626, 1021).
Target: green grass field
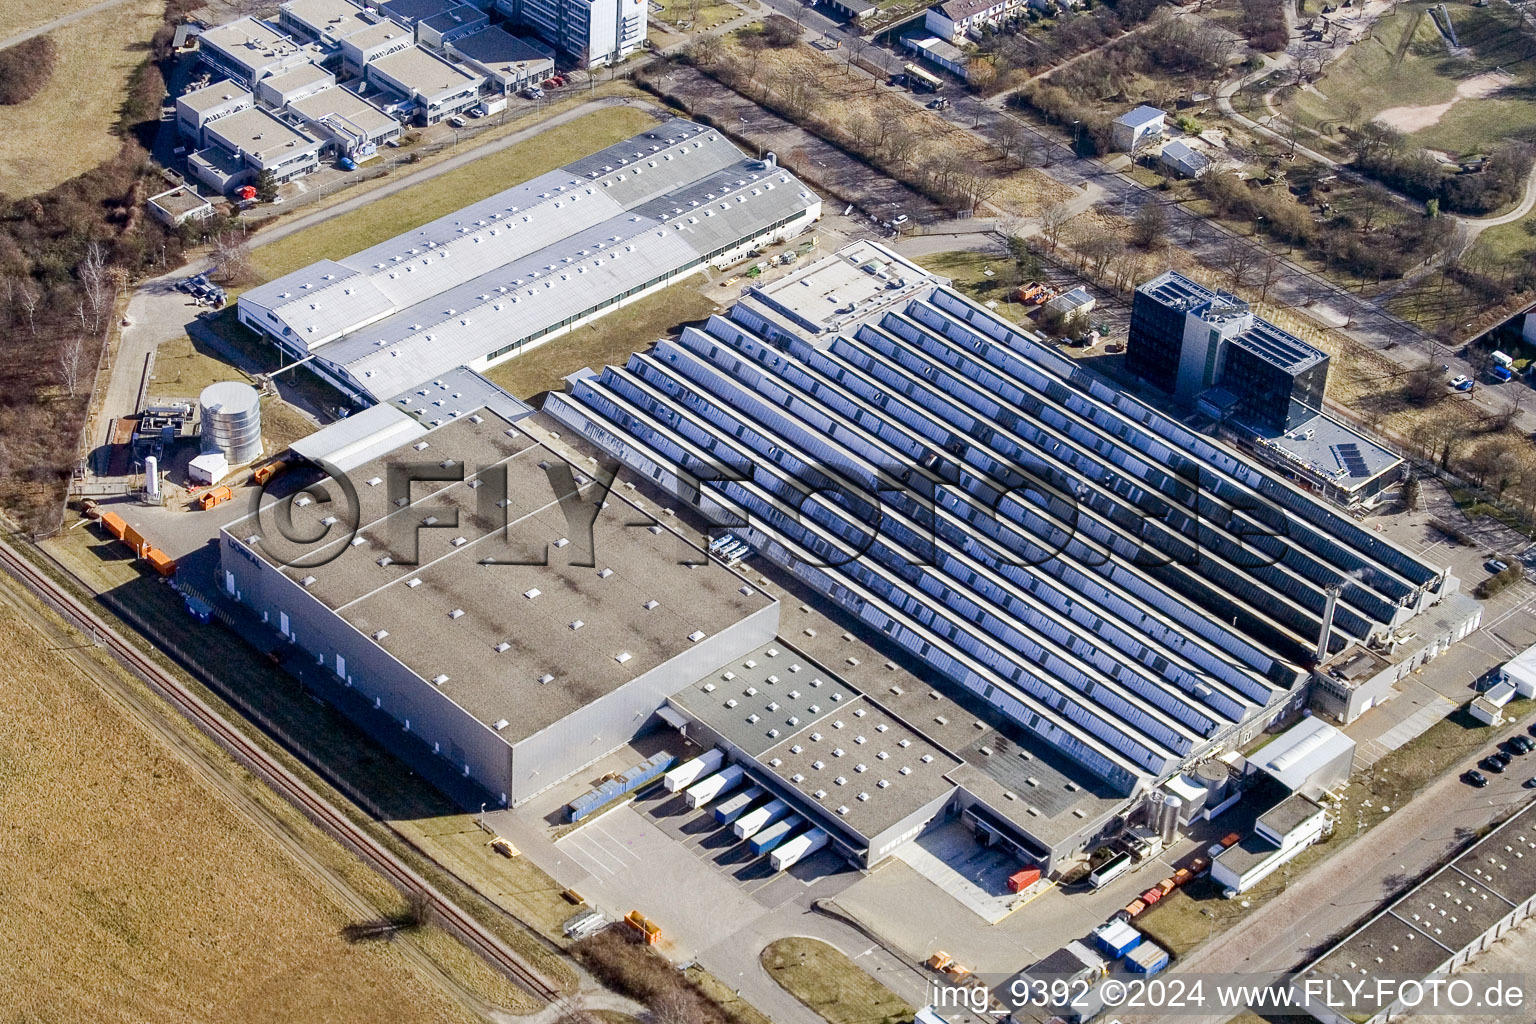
(832, 985)
(384, 218)
(1406, 63)
(708, 14)
(609, 339)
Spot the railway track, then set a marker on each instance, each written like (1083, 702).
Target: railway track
(297, 792)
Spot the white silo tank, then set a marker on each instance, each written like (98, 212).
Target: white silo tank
(1168, 828)
(230, 414)
(152, 480)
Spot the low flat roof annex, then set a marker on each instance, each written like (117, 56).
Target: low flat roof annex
(1328, 448)
(298, 77)
(260, 133)
(335, 18)
(346, 105)
(212, 97)
(1292, 757)
(495, 47)
(383, 32)
(472, 604)
(412, 11)
(454, 17)
(248, 39)
(855, 281)
(1290, 814)
(423, 73)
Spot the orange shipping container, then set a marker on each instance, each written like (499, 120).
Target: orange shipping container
(114, 524)
(1021, 880)
(161, 562)
(214, 496)
(1167, 885)
(268, 471)
(1181, 876)
(1135, 907)
(1230, 839)
(134, 539)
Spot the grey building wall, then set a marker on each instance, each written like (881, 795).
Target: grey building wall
(578, 739)
(476, 750)
(472, 747)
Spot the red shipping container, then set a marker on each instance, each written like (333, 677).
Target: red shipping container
(1021, 880)
(1151, 896)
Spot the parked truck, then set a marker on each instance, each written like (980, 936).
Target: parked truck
(797, 849)
(754, 821)
(735, 806)
(689, 772)
(723, 781)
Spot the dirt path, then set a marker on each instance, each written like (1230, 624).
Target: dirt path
(1413, 119)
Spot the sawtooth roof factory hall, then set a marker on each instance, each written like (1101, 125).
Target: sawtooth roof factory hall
(1140, 598)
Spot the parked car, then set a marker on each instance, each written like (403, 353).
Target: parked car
(1495, 565)
(1530, 783)
(1513, 749)
(1460, 382)
(476, 112)
(1475, 778)
(1495, 763)
(457, 122)
(1523, 744)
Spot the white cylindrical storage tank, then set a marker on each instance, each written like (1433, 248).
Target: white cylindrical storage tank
(797, 849)
(701, 793)
(230, 414)
(749, 824)
(1169, 831)
(685, 775)
(152, 480)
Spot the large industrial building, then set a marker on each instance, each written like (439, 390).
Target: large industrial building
(508, 273)
(475, 612)
(1086, 569)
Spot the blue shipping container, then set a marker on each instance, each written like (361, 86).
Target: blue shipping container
(631, 780)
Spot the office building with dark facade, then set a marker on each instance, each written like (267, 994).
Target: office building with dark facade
(1260, 383)
(1186, 338)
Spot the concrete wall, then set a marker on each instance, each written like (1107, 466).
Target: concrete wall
(319, 634)
(595, 731)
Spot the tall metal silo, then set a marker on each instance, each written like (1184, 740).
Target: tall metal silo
(231, 421)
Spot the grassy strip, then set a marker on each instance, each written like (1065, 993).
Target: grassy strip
(829, 983)
(608, 340)
(275, 699)
(411, 207)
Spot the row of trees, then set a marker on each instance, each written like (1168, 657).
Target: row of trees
(884, 139)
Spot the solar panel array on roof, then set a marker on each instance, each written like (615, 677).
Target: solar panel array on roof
(1029, 533)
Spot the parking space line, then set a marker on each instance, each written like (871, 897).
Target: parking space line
(619, 850)
(580, 843)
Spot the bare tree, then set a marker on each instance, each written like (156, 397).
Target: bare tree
(1006, 138)
(1097, 247)
(901, 145)
(1269, 268)
(675, 1006)
(1149, 226)
(1237, 258)
(230, 256)
(1053, 218)
(706, 51)
(97, 281)
(28, 296)
(854, 47)
(72, 363)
